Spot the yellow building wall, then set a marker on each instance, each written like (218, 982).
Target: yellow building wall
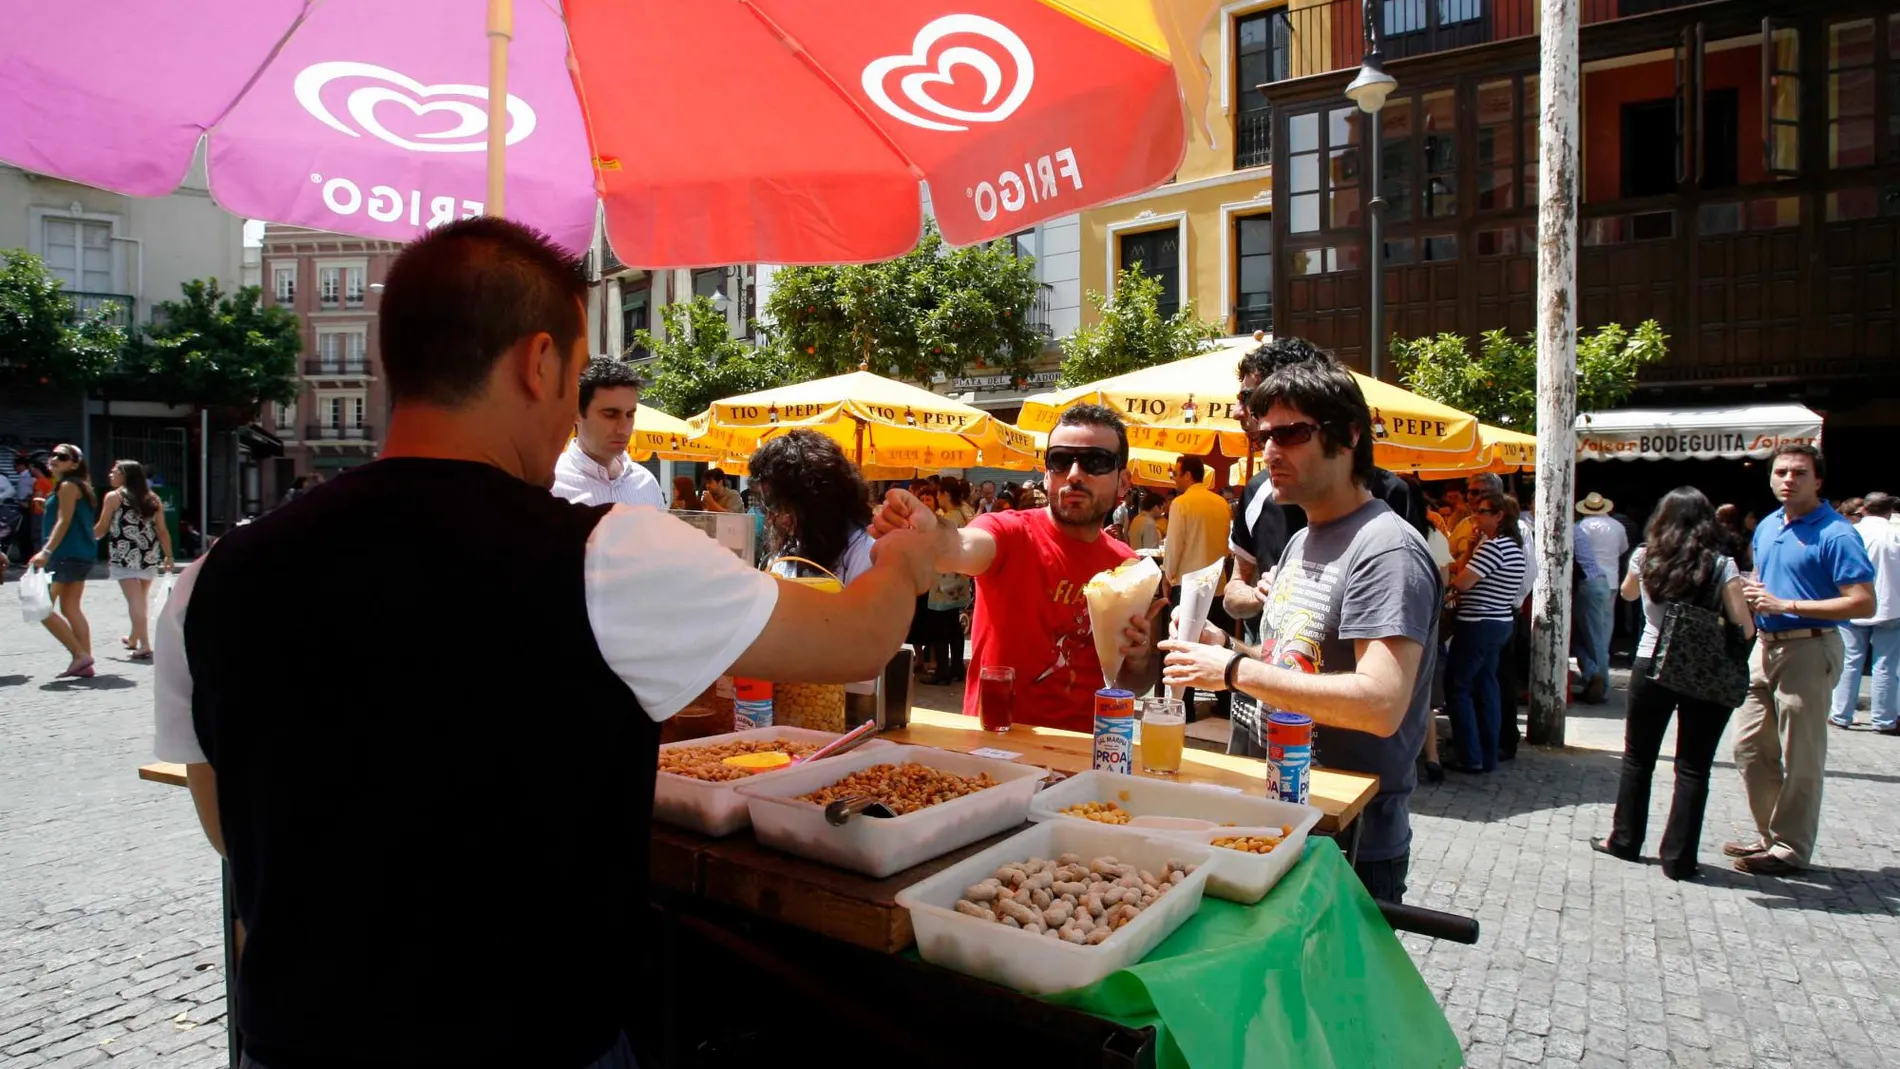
(1207, 173)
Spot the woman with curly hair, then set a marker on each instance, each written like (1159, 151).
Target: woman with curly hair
(817, 505)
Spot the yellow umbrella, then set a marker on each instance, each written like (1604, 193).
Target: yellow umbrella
(1502, 452)
(658, 434)
(880, 423)
(1186, 407)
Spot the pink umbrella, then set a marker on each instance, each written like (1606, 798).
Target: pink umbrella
(715, 131)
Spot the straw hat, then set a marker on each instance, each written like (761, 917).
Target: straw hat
(1595, 504)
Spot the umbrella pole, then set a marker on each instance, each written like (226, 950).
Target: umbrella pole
(860, 424)
(501, 30)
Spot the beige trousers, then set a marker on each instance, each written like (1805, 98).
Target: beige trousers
(1781, 739)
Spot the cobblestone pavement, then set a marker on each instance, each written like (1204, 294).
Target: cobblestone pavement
(109, 905)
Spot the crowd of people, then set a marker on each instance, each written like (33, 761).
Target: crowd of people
(1352, 595)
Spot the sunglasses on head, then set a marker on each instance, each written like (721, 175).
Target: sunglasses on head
(1094, 461)
(1288, 434)
(65, 457)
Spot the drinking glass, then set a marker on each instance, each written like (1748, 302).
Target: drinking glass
(1163, 734)
(996, 697)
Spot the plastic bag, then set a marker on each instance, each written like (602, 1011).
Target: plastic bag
(36, 595)
(156, 598)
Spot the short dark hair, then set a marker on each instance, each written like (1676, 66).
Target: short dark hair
(1098, 416)
(1800, 449)
(1193, 466)
(1491, 482)
(712, 475)
(607, 373)
(461, 295)
(1879, 503)
(1271, 356)
(1326, 391)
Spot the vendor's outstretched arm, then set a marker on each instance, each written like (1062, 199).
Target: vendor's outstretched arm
(964, 550)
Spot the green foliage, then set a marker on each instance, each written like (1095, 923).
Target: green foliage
(934, 310)
(42, 341)
(1499, 383)
(699, 361)
(215, 349)
(1130, 333)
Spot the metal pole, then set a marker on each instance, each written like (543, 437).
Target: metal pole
(501, 30)
(1559, 91)
(204, 475)
(1375, 223)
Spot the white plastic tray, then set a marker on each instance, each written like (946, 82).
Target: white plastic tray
(1246, 878)
(877, 846)
(1236, 876)
(716, 809)
(1033, 963)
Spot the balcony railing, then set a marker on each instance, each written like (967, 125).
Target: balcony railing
(1039, 311)
(330, 432)
(119, 306)
(1331, 36)
(1253, 139)
(340, 366)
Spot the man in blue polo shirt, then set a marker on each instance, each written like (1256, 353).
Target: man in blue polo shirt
(1813, 575)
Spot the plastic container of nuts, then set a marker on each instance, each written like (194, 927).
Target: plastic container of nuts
(714, 807)
(1038, 965)
(880, 846)
(1185, 812)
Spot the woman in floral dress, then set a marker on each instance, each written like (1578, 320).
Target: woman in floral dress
(132, 520)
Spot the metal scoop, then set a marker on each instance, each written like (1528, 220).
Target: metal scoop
(842, 810)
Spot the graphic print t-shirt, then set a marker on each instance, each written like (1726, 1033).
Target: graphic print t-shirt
(1366, 575)
(1031, 616)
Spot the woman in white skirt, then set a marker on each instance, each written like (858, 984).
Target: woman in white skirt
(131, 520)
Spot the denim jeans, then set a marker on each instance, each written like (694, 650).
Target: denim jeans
(1591, 643)
(1881, 642)
(1385, 880)
(1471, 690)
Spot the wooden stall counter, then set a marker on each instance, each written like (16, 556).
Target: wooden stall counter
(1339, 796)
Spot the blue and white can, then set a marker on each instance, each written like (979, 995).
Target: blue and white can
(1289, 756)
(1115, 731)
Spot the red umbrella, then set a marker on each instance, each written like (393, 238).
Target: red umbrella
(715, 131)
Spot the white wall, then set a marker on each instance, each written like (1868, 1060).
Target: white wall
(174, 238)
(1059, 262)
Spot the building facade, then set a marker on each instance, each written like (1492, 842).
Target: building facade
(333, 282)
(128, 253)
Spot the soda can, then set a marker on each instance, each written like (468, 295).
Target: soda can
(1115, 731)
(1289, 756)
(752, 707)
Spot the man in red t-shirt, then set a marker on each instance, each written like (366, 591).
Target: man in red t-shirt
(1031, 565)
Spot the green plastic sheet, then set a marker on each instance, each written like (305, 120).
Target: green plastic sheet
(1311, 977)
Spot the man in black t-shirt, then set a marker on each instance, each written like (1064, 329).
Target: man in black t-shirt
(402, 905)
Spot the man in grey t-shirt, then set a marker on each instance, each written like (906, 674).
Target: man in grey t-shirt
(1352, 612)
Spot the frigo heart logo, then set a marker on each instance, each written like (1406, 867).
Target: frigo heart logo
(464, 106)
(902, 85)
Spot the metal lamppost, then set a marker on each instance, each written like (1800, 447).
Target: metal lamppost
(1369, 91)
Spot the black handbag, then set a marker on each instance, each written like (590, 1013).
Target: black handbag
(1699, 654)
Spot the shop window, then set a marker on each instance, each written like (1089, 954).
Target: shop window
(1766, 213)
(1395, 180)
(1497, 145)
(1253, 270)
(1438, 152)
(1865, 202)
(1850, 93)
(1342, 167)
(1325, 261)
(1400, 251)
(1323, 171)
(1440, 247)
(1781, 90)
(1302, 143)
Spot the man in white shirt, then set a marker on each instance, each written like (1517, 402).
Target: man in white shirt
(1601, 542)
(1877, 635)
(595, 469)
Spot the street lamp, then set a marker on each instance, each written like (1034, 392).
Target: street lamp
(1369, 91)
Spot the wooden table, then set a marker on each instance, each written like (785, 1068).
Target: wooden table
(1340, 796)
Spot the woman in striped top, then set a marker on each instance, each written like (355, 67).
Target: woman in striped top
(1487, 595)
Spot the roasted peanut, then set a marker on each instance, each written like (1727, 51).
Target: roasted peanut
(908, 788)
(1249, 844)
(707, 762)
(819, 707)
(1100, 812)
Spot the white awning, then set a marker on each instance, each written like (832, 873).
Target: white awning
(1715, 432)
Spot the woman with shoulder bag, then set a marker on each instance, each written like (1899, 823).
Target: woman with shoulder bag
(1696, 628)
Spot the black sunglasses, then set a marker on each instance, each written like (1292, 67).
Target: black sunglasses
(1487, 512)
(1291, 433)
(67, 458)
(1094, 461)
